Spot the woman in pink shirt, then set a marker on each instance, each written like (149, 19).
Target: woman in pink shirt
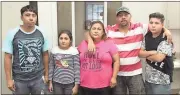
(97, 76)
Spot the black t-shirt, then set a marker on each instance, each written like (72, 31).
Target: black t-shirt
(166, 66)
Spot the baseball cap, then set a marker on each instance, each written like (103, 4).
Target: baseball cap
(123, 9)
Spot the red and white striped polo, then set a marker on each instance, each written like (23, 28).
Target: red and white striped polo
(129, 45)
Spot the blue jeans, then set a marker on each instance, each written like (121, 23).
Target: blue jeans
(35, 87)
(157, 88)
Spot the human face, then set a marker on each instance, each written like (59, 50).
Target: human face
(96, 31)
(155, 25)
(29, 18)
(123, 19)
(64, 41)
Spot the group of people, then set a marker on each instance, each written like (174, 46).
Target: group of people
(107, 62)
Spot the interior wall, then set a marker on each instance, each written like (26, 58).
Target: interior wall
(64, 15)
(112, 6)
(0, 43)
(79, 21)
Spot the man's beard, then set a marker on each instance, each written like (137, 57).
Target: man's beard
(123, 25)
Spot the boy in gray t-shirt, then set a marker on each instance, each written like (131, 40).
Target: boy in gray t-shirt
(28, 46)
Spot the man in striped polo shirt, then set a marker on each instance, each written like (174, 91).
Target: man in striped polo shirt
(128, 38)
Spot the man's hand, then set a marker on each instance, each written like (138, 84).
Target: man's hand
(113, 82)
(168, 34)
(10, 85)
(91, 47)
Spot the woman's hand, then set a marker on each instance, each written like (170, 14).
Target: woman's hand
(113, 82)
(75, 90)
(50, 88)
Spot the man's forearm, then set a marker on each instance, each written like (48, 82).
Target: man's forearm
(88, 37)
(8, 66)
(167, 32)
(46, 61)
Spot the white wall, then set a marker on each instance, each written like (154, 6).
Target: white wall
(0, 46)
(176, 39)
(140, 13)
(47, 15)
(10, 19)
(140, 10)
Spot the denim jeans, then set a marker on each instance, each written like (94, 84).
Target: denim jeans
(35, 87)
(157, 88)
(129, 85)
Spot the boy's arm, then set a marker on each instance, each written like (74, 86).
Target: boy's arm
(159, 57)
(46, 61)
(8, 53)
(143, 53)
(8, 70)
(8, 65)
(45, 56)
(51, 66)
(164, 49)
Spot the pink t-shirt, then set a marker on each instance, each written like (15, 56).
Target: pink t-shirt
(96, 69)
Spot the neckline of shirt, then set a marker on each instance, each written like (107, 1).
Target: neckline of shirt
(27, 32)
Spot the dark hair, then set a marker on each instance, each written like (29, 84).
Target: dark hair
(68, 32)
(28, 8)
(157, 15)
(104, 36)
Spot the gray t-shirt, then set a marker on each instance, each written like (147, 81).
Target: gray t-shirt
(27, 49)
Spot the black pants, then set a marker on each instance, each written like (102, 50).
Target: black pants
(98, 91)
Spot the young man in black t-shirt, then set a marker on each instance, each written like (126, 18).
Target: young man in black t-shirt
(158, 54)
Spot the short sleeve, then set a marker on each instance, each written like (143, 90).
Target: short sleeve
(81, 45)
(46, 44)
(8, 42)
(113, 48)
(46, 41)
(107, 29)
(165, 48)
